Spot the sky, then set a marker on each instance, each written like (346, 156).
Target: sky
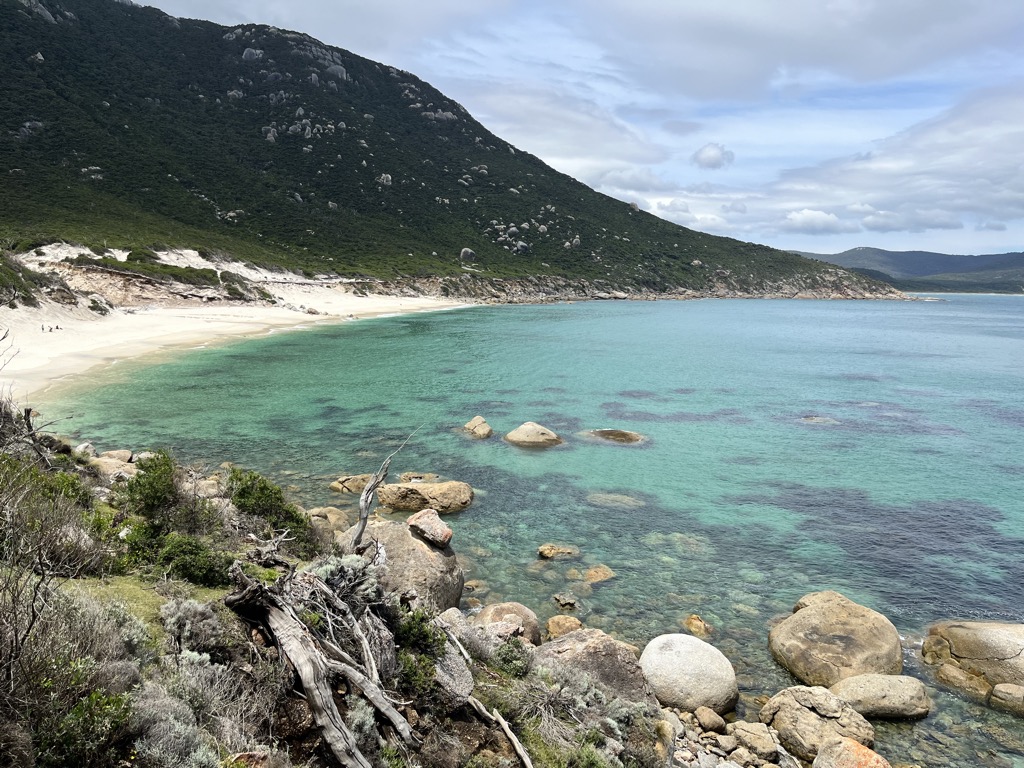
(813, 125)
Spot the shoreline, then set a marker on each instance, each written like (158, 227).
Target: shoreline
(33, 359)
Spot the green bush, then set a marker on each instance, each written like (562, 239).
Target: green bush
(52, 485)
(257, 496)
(153, 492)
(191, 559)
(86, 735)
(513, 658)
(420, 645)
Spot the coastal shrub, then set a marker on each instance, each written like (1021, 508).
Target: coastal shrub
(258, 497)
(255, 495)
(69, 682)
(191, 559)
(420, 644)
(87, 734)
(513, 658)
(198, 627)
(166, 733)
(52, 485)
(153, 492)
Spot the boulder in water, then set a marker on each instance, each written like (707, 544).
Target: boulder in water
(830, 637)
(890, 697)
(450, 496)
(533, 435)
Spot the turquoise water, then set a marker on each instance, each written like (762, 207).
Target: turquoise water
(875, 448)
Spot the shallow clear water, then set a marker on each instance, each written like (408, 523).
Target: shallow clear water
(875, 448)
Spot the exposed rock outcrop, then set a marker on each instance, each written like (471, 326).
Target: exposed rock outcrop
(807, 719)
(431, 527)
(450, 496)
(514, 612)
(609, 662)
(890, 697)
(687, 673)
(848, 753)
(994, 650)
(533, 435)
(478, 427)
(350, 483)
(424, 575)
(830, 637)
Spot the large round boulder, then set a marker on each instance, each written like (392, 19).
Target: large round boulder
(516, 612)
(533, 435)
(426, 576)
(991, 649)
(807, 719)
(450, 496)
(609, 663)
(686, 673)
(889, 697)
(830, 637)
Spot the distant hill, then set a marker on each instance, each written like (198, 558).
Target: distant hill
(929, 271)
(123, 126)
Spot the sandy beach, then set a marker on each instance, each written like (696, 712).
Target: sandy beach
(34, 358)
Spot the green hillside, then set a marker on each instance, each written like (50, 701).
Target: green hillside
(127, 127)
(928, 271)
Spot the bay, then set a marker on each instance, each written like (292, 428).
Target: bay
(875, 448)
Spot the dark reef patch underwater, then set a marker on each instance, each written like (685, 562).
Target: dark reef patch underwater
(867, 447)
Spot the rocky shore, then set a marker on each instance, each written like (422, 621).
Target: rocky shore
(846, 657)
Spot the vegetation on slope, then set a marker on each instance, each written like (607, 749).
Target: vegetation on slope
(129, 128)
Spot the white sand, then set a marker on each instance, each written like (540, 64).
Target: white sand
(34, 359)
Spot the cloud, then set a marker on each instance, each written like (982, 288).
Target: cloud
(911, 221)
(812, 222)
(992, 226)
(632, 179)
(681, 127)
(712, 157)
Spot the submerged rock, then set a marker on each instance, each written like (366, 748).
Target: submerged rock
(620, 436)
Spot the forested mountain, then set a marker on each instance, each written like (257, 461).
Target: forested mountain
(929, 271)
(124, 126)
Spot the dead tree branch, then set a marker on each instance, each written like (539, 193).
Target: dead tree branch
(366, 497)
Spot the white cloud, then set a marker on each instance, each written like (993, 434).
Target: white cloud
(812, 222)
(712, 157)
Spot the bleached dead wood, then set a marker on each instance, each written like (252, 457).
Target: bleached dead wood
(317, 662)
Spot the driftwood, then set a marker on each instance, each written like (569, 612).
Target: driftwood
(366, 497)
(267, 552)
(318, 662)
